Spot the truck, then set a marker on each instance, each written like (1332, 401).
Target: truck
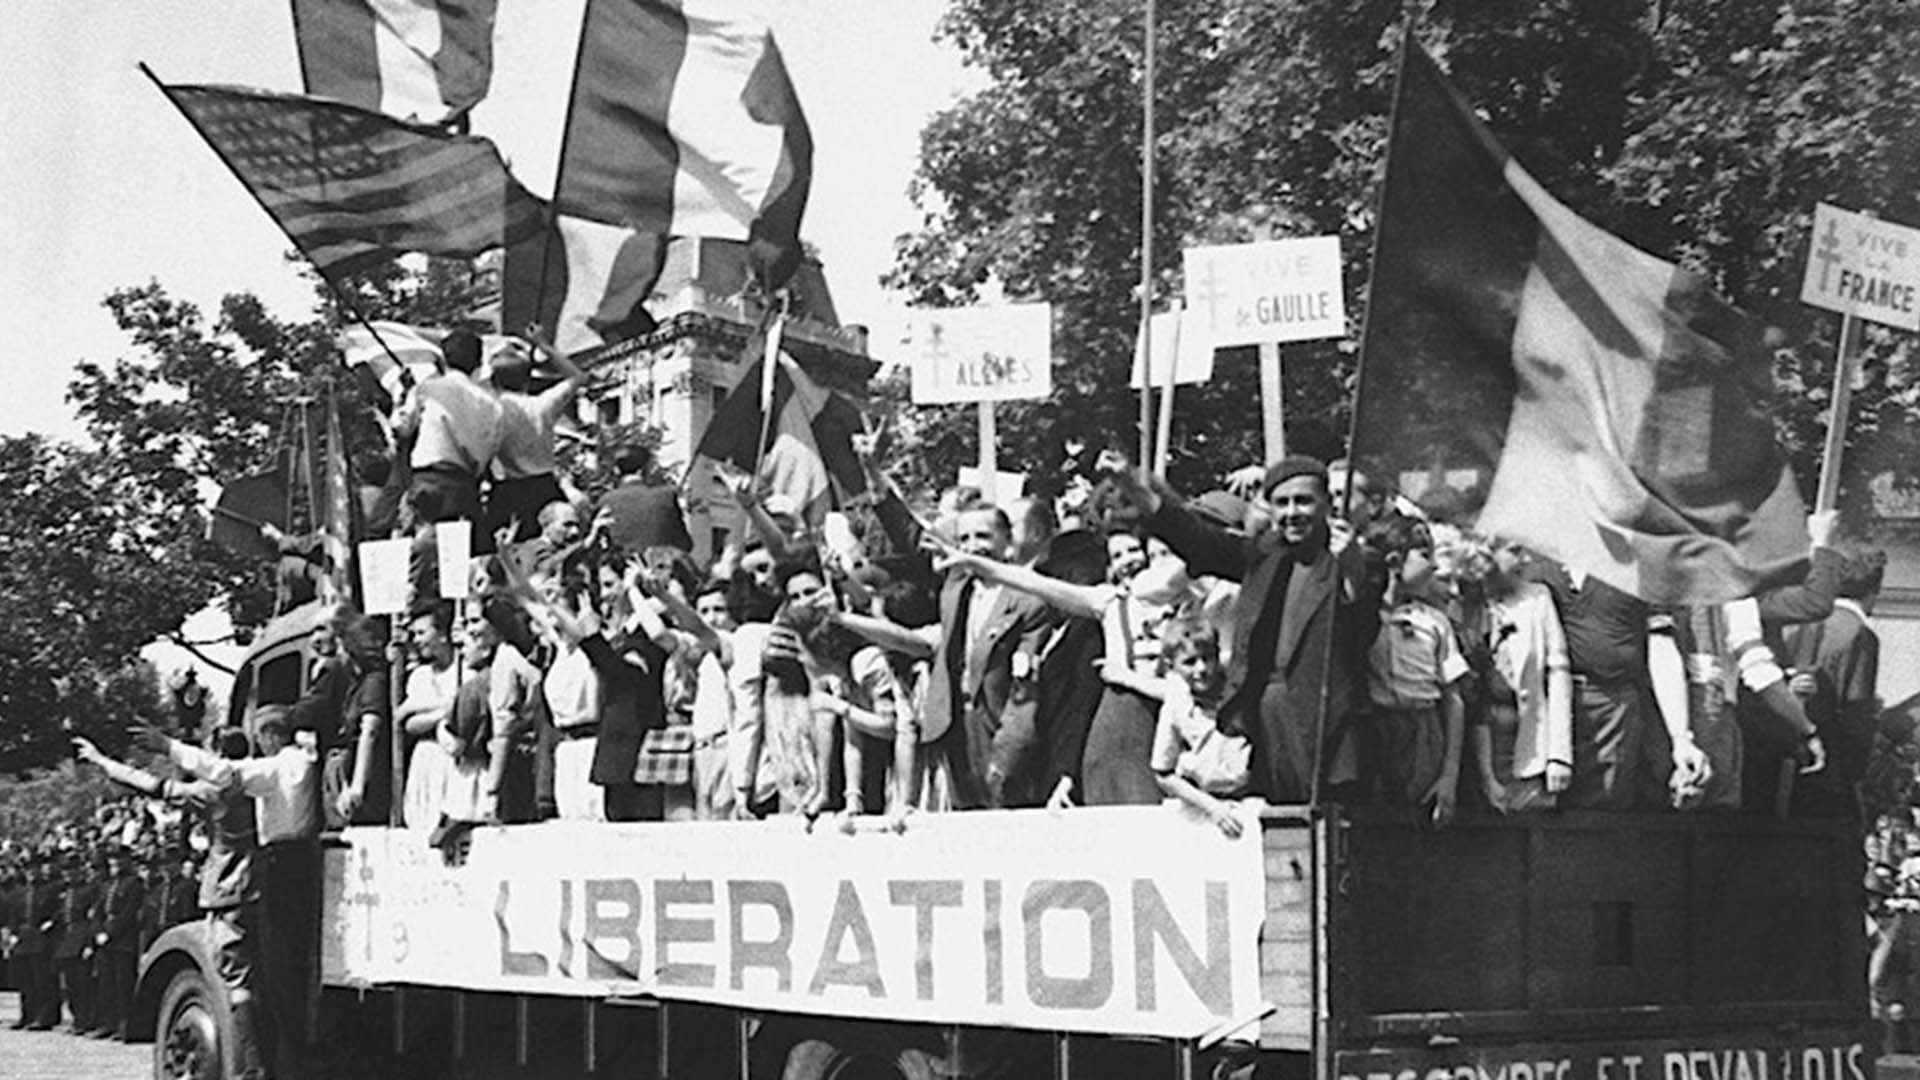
(1323, 943)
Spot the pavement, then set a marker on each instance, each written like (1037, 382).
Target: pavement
(52, 1055)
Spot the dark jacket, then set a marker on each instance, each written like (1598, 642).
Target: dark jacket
(118, 913)
(1327, 622)
(632, 703)
(76, 920)
(998, 733)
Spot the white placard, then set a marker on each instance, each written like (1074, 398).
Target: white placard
(1272, 291)
(1008, 487)
(1002, 353)
(383, 575)
(1863, 266)
(1180, 341)
(1119, 920)
(454, 541)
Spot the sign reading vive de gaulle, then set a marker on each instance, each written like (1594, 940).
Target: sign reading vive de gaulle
(1130, 920)
(1271, 291)
(998, 353)
(1865, 267)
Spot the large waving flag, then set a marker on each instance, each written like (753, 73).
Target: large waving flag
(809, 454)
(1531, 374)
(350, 186)
(421, 60)
(683, 123)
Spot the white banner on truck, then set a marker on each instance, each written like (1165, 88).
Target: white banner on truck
(1130, 920)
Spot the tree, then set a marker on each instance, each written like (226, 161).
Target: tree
(1700, 130)
(103, 546)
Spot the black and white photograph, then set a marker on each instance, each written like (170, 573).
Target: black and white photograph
(960, 540)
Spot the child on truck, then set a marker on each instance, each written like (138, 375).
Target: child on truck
(1196, 759)
(1414, 673)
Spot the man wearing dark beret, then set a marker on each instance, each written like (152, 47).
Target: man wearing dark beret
(1302, 621)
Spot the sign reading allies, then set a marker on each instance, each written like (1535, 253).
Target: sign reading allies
(1002, 353)
(1118, 920)
(1272, 291)
(1863, 266)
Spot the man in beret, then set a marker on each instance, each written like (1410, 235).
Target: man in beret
(1300, 625)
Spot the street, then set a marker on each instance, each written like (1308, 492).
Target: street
(52, 1055)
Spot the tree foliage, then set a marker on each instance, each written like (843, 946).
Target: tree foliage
(1701, 130)
(103, 544)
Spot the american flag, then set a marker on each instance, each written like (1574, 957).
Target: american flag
(350, 187)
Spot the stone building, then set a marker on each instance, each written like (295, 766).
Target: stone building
(675, 377)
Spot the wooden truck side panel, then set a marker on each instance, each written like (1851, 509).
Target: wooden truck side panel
(1589, 923)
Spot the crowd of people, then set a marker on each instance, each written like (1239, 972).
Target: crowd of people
(81, 903)
(1299, 634)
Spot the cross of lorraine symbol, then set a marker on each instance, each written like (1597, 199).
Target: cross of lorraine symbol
(1827, 252)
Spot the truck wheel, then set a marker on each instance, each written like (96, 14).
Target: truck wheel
(187, 1041)
(819, 1059)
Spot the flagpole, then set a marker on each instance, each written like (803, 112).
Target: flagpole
(1845, 360)
(1146, 242)
(769, 379)
(1164, 445)
(347, 301)
(552, 235)
(1359, 387)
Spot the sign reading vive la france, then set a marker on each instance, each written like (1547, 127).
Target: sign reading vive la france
(1271, 291)
(1863, 266)
(1000, 353)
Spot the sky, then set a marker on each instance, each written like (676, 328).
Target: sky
(105, 185)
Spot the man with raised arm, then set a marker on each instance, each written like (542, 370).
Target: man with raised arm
(1300, 627)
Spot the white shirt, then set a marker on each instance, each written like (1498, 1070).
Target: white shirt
(459, 423)
(526, 432)
(572, 687)
(285, 806)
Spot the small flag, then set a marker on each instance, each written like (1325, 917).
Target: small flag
(1535, 376)
(247, 503)
(394, 354)
(683, 123)
(809, 456)
(338, 525)
(350, 187)
(427, 61)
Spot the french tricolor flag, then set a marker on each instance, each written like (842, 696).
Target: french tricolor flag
(427, 61)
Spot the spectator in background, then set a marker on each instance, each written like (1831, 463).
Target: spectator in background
(116, 944)
(525, 480)
(33, 947)
(571, 686)
(358, 773)
(1836, 665)
(1523, 731)
(642, 514)
(73, 945)
(1414, 679)
(455, 427)
(432, 684)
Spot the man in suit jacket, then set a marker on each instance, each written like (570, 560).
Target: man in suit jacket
(1302, 621)
(982, 699)
(1836, 665)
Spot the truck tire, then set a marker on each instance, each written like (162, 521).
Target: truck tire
(822, 1059)
(190, 1030)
